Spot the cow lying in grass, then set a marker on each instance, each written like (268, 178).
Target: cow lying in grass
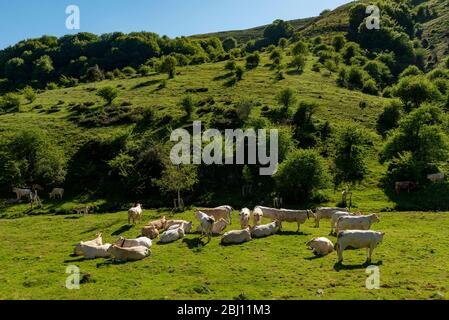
(175, 224)
(128, 254)
(93, 252)
(172, 235)
(358, 239)
(320, 246)
(98, 241)
(150, 232)
(236, 236)
(129, 243)
(265, 230)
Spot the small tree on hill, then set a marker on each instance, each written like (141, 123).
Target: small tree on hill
(229, 44)
(168, 65)
(187, 103)
(298, 62)
(413, 91)
(286, 98)
(29, 94)
(108, 94)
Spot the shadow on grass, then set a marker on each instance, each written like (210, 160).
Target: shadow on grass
(110, 262)
(293, 233)
(314, 257)
(341, 266)
(146, 83)
(224, 76)
(78, 259)
(194, 244)
(121, 230)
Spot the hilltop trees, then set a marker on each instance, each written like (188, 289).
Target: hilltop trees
(277, 30)
(229, 44)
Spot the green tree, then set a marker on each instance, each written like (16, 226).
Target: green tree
(300, 175)
(43, 69)
(29, 94)
(277, 30)
(244, 108)
(229, 44)
(298, 62)
(351, 143)
(338, 42)
(187, 103)
(423, 132)
(239, 72)
(108, 93)
(413, 91)
(286, 98)
(177, 179)
(300, 48)
(168, 65)
(10, 102)
(230, 65)
(252, 60)
(389, 118)
(283, 43)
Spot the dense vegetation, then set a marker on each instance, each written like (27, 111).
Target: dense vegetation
(399, 94)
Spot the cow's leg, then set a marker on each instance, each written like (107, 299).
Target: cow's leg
(317, 222)
(298, 226)
(340, 253)
(370, 253)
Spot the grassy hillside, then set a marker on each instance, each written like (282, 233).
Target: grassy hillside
(279, 267)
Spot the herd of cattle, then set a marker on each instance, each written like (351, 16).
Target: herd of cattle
(352, 231)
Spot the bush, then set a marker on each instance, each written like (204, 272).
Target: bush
(301, 175)
(239, 72)
(300, 48)
(51, 86)
(410, 71)
(94, 74)
(10, 102)
(244, 108)
(230, 65)
(286, 98)
(413, 91)
(229, 44)
(144, 70)
(389, 118)
(252, 60)
(370, 87)
(29, 94)
(168, 65)
(298, 62)
(108, 94)
(187, 103)
(129, 71)
(68, 82)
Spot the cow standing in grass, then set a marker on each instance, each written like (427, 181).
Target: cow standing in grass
(135, 213)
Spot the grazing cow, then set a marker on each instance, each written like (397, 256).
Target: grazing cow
(59, 192)
(222, 212)
(34, 199)
(336, 215)
(218, 227)
(98, 241)
(244, 218)
(175, 224)
(207, 224)
(150, 232)
(326, 213)
(93, 251)
(135, 213)
(20, 193)
(436, 177)
(265, 230)
(358, 239)
(285, 215)
(236, 236)
(159, 224)
(257, 216)
(129, 254)
(172, 235)
(405, 185)
(129, 243)
(356, 222)
(320, 246)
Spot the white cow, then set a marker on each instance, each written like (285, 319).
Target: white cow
(222, 212)
(326, 213)
(172, 235)
(218, 227)
(207, 224)
(20, 193)
(59, 192)
(337, 215)
(129, 254)
(265, 230)
(286, 215)
(358, 239)
(92, 252)
(129, 243)
(98, 241)
(320, 246)
(244, 217)
(436, 177)
(135, 213)
(356, 222)
(257, 216)
(236, 236)
(185, 225)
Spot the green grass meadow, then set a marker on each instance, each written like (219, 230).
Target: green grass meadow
(35, 251)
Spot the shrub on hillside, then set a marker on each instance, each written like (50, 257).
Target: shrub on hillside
(10, 102)
(389, 118)
(252, 60)
(108, 94)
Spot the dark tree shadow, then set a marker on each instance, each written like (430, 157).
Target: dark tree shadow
(110, 261)
(146, 83)
(224, 76)
(194, 243)
(294, 72)
(78, 259)
(341, 266)
(314, 257)
(292, 233)
(121, 230)
(231, 82)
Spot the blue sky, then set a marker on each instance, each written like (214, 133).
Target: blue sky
(23, 19)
